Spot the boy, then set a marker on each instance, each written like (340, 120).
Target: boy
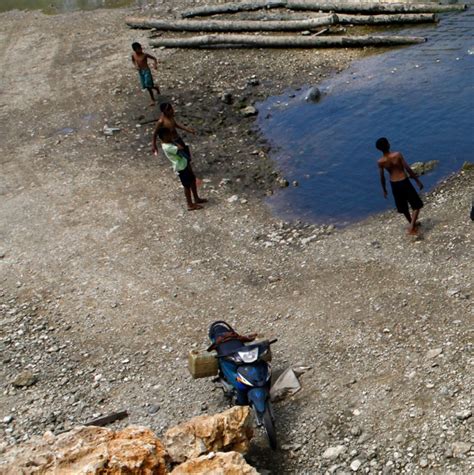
(140, 61)
(175, 154)
(167, 121)
(402, 189)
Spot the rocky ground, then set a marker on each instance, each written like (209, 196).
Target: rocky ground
(106, 281)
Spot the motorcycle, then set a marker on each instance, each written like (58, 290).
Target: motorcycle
(244, 373)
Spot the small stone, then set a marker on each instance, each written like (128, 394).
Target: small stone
(356, 431)
(333, 453)
(424, 463)
(460, 448)
(253, 82)
(272, 279)
(295, 183)
(453, 292)
(153, 408)
(355, 465)
(313, 95)
(233, 199)
(227, 98)
(204, 406)
(7, 419)
(25, 379)
(434, 353)
(463, 415)
(249, 111)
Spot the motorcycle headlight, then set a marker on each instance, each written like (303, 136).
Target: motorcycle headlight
(249, 356)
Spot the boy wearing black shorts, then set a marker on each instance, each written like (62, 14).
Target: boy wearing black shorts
(402, 189)
(180, 162)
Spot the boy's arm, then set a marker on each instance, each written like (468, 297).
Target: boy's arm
(134, 62)
(155, 61)
(186, 129)
(153, 139)
(411, 173)
(382, 180)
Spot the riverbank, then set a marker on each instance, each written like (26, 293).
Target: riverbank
(106, 279)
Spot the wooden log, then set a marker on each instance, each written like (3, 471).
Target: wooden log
(338, 7)
(386, 19)
(229, 25)
(259, 41)
(372, 7)
(233, 7)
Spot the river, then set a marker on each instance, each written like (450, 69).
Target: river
(420, 97)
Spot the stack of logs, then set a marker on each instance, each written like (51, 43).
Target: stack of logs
(332, 13)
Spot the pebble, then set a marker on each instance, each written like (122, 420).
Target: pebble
(233, 199)
(355, 465)
(434, 353)
(463, 415)
(249, 111)
(333, 453)
(153, 408)
(7, 419)
(25, 379)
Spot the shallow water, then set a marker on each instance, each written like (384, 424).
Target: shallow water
(61, 6)
(420, 97)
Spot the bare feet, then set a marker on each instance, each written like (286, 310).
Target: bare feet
(201, 200)
(152, 104)
(194, 207)
(413, 231)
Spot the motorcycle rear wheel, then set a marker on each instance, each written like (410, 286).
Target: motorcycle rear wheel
(269, 427)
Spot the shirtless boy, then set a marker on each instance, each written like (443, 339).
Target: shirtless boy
(402, 189)
(181, 166)
(167, 121)
(140, 61)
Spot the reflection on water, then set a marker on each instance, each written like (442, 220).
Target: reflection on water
(420, 97)
(60, 6)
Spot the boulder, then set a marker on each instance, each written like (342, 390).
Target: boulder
(25, 379)
(88, 450)
(223, 463)
(313, 95)
(466, 166)
(420, 168)
(249, 111)
(230, 430)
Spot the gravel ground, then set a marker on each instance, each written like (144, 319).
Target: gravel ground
(106, 281)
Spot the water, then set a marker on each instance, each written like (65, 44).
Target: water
(420, 97)
(61, 6)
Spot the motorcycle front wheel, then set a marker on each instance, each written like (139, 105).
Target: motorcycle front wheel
(269, 427)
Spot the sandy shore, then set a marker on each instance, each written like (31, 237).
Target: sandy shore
(107, 281)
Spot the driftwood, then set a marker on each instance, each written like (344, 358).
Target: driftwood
(285, 25)
(338, 7)
(229, 25)
(386, 19)
(259, 41)
(372, 7)
(105, 420)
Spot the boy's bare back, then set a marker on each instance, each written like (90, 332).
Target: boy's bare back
(395, 164)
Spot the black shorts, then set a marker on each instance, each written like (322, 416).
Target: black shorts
(187, 177)
(405, 195)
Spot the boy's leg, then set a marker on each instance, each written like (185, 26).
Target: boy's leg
(407, 215)
(150, 91)
(191, 206)
(195, 193)
(194, 187)
(413, 226)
